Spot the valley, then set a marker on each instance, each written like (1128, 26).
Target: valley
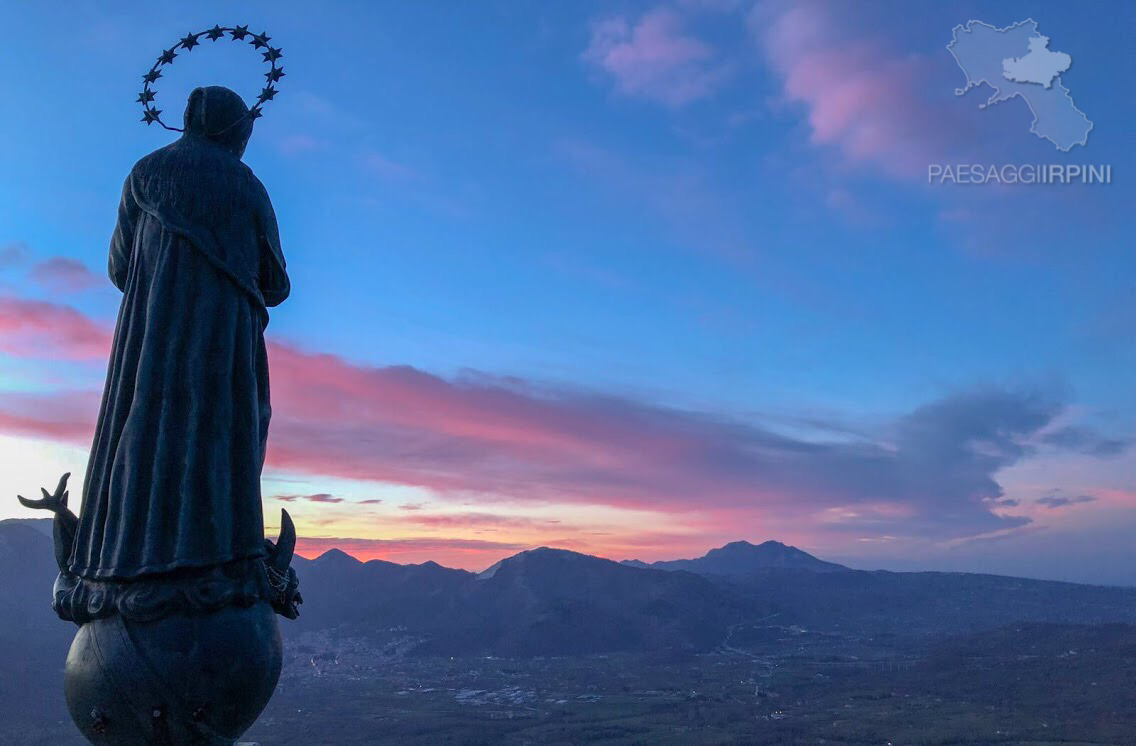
(554, 647)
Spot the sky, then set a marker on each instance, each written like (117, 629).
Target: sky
(632, 279)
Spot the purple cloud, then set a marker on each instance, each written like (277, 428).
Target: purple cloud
(1057, 499)
(654, 58)
(1087, 441)
(319, 497)
(13, 254)
(859, 95)
(63, 275)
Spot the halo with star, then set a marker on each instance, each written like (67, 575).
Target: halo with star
(259, 41)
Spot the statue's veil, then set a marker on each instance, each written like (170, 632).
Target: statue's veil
(220, 115)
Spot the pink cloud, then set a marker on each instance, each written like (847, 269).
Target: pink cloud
(931, 473)
(65, 416)
(522, 442)
(655, 58)
(479, 520)
(1118, 497)
(860, 96)
(63, 275)
(42, 330)
(466, 553)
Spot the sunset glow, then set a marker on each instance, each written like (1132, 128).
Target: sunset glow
(654, 279)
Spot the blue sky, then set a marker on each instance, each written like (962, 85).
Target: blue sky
(597, 223)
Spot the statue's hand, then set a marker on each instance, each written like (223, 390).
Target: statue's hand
(66, 523)
(285, 585)
(56, 503)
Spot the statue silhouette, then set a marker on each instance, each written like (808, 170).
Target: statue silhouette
(174, 475)
(167, 571)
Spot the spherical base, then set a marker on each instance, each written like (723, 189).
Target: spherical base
(184, 679)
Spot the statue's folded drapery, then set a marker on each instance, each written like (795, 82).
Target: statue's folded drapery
(174, 474)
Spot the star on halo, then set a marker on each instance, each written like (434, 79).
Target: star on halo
(259, 41)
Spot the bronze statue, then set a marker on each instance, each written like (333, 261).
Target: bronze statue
(167, 570)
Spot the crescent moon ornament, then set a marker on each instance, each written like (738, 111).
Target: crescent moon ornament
(151, 113)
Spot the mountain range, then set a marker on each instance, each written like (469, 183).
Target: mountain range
(424, 653)
(557, 602)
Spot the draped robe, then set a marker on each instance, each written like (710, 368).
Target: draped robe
(173, 480)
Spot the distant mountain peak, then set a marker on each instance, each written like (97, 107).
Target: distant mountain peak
(770, 548)
(42, 525)
(337, 557)
(745, 558)
(743, 545)
(540, 556)
(547, 551)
